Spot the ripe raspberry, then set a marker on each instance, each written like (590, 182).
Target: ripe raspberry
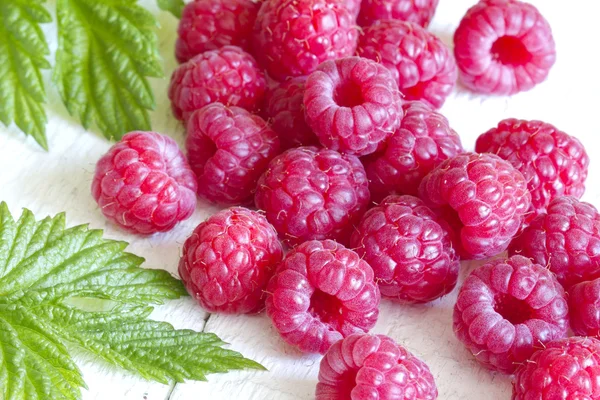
(321, 293)
(144, 183)
(229, 149)
(483, 197)
(292, 37)
(566, 239)
(285, 108)
(421, 64)
(507, 309)
(503, 47)
(211, 24)
(584, 308)
(228, 261)
(364, 367)
(353, 7)
(309, 193)
(409, 249)
(352, 104)
(423, 141)
(227, 75)
(418, 11)
(566, 369)
(553, 163)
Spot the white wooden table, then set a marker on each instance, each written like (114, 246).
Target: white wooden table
(48, 183)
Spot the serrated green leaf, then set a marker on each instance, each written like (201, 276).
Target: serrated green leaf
(106, 51)
(175, 7)
(63, 287)
(23, 51)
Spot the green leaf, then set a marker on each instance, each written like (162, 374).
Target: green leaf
(106, 51)
(63, 287)
(175, 7)
(23, 51)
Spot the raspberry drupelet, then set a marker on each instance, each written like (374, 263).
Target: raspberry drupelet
(364, 367)
(211, 24)
(309, 193)
(228, 149)
(423, 141)
(584, 308)
(484, 199)
(227, 75)
(566, 238)
(553, 163)
(144, 183)
(565, 369)
(421, 64)
(321, 293)
(292, 37)
(503, 47)
(409, 249)
(507, 309)
(353, 105)
(417, 11)
(228, 261)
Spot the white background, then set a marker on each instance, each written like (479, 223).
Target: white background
(48, 183)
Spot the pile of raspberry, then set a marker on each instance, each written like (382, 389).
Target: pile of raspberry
(347, 187)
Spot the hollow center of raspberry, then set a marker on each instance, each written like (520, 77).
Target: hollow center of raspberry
(348, 94)
(510, 50)
(328, 309)
(346, 383)
(513, 310)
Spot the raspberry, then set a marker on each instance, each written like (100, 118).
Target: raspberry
(566, 238)
(423, 141)
(285, 108)
(507, 309)
(418, 11)
(553, 163)
(566, 369)
(228, 149)
(227, 75)
(409, 249)
(211, 24)
(421, 64)
(483, 197)
(503, 47)
(229, 259)
(364, 367)
(352, 104)
(321, 293)
(292, 37)
(584, 308)
(353, 7)
(309, 193)
(144, 183)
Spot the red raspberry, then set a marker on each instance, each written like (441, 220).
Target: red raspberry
(566, 369)
(421, 64)
(553, 163)
(584, 308)
(409, 249)
(229, 149)
(423, 141)
(507, 309)
(292, 37)
(566, 239)
(285, 108)
(352, 104)
(417, 11)
(365, 367)
(228, 261)
(309, 193)
(144, 183)
(211, 24)
(353, 7)
(503, 47)
(483, 197)
(321, 293)
(227, 75)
